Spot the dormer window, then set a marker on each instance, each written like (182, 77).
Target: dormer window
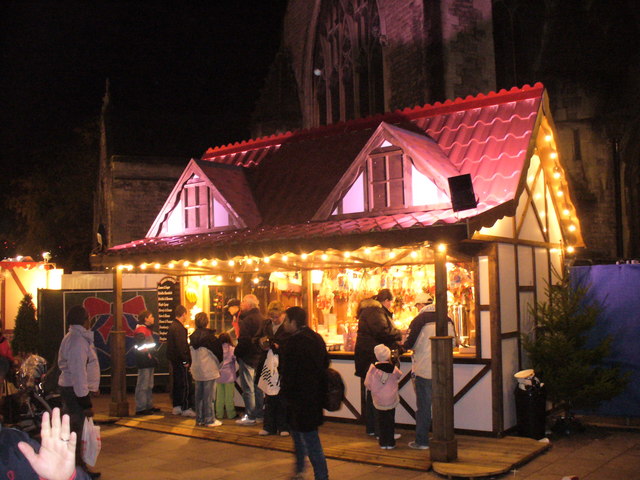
(387, 180)
(196, 201)
(201, 210)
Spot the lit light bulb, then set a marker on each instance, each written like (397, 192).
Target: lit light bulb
(304, 256)
(570, 249)
(214, 263)
(548, 137)
(231, 263)
(347, 254)
(367, 251)
(566, 212)
(325, 257)
(414, 254)
(285, 258)
(572, 228)
(256, 280)
(186, 263)
(238, 279)
(557, 175)
(157, 266)
(143, 266)
(199, 263)
(171, 265)
(266, 259)
(553, 155)
(392, 254)
(442, 247)
(560, 193)
(219, 278)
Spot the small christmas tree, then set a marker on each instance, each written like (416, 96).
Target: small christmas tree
(25, 333)
(561, 354)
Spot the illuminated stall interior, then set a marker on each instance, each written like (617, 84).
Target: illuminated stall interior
(338, 281)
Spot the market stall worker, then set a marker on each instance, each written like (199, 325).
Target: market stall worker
(375, 327)
(79, 374)
(247, 353)
(232, 308)
(421, 329)
(180, 360)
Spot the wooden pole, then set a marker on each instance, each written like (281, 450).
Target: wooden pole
(119, 406)
(307, 298)
(444, 446)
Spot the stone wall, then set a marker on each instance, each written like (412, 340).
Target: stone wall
(138, 192)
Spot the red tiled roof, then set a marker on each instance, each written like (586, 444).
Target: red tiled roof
(289, 235)
(290, 175)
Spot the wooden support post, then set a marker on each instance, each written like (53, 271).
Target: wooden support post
(307, 298)
(444, 446)
(119, 406)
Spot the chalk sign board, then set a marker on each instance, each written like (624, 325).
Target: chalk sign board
(168, 300)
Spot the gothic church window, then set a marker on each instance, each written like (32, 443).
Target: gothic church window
(347, 69)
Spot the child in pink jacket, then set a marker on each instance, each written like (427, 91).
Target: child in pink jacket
(382, 381)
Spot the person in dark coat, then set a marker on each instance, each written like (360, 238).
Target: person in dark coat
(179, 358)
(375, 326)
(146, 361)
(303, 384)
(247, 353)
(272, 336)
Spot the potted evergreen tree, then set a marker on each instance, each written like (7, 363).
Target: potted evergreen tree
(564, 357)
(25, 332)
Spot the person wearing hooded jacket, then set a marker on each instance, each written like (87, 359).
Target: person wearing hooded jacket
(375, 327)
(382, 381)
(206, 355)
(79, 374)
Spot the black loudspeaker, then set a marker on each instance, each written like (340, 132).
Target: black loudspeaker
(462, 195)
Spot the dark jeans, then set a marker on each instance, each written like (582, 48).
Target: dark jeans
(386, 426)
(308, 444)
(370, 415)
(182, 393)
(423, 387)
(275, 414)
(71, 407)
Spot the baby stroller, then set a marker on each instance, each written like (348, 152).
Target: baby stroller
(24, 408)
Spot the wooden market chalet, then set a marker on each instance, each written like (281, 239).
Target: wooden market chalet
(329, 215)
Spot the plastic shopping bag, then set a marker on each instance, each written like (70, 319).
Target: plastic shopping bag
(91, 442)
(269, 381)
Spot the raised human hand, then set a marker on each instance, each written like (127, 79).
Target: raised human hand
(56, 459)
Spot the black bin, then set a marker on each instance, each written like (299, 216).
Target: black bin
(531, 410)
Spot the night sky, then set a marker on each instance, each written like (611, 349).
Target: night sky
(205, 58)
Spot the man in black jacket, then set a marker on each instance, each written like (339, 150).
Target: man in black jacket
(247, 353)
(180, 360)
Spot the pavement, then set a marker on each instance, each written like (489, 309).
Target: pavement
(598, 453)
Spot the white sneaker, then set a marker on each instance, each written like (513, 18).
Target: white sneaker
(177, 411)
(245, 420)
(284, 433)
(188, 413)
(417, 446)
(216, 423)
(396, 436)
(263, 433)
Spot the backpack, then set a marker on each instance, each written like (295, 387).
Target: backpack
(335, 391)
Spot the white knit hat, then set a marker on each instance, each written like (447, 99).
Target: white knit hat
(383, 354)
